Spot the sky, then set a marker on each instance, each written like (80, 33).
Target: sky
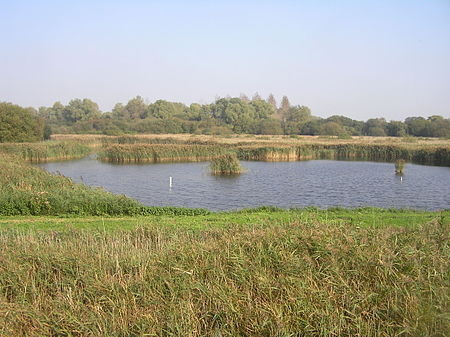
(361, 59)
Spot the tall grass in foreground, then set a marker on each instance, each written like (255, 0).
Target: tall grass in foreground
(291, 279)
(45, 151)
(227, 164)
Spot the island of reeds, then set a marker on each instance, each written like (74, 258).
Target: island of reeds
(227, 164)
(399, 166)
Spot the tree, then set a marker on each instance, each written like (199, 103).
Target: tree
(164, 109)
(136, 108)
(235, 112)
(295, 117)
(285, 105)
(311, 127)
(53, 114)
(396, 129)
(119, 112)
(375, 127)
(263, 109)
(270, 127)
(18, 124)
(298, 114)
(418, 126)
(331, 129)
(439, 127)
(272, 101)
(78, 110)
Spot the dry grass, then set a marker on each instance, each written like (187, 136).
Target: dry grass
(292, 279)
(278, 139)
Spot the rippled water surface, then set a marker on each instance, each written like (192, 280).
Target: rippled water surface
(322, 183)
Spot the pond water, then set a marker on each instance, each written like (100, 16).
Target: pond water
(322, 183)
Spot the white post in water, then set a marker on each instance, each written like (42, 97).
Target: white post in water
(170, 181)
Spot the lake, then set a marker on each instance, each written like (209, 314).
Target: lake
(322, 183)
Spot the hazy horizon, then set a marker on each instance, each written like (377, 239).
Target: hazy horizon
(361, 59)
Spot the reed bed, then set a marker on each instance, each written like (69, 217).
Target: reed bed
(389, 153)
(155, 148)
(266, 140)
(227, 164)
(46, 151)
(286, 279)
(155, 153)
(129, 139)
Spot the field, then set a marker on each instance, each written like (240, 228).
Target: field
(79, 261)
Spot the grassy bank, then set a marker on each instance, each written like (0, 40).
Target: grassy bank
(263, 272)
(29, 190)
(46, 151)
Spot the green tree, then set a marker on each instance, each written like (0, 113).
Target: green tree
(136, 108)
(439, 127)
(263, 109)
(164, 109)
(331, 129)
(418, 126)
(396, 129)
(78, 110)
(19, 124)
(235, 112)
(270, 126)
(375, 127)
(295, 118)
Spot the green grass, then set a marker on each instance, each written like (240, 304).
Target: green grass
(362, 217)
(264, 272)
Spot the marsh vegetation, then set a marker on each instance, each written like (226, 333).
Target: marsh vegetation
(134, 270)
(313, 273)
(227, 164)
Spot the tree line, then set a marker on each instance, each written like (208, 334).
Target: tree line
(224, 116)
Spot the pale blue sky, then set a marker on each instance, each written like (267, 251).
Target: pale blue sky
(360, 58)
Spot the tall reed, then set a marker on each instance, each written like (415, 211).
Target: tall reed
(285, 279)
(227, 164)
(46, 151)
(399, 166)
(139, 153)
